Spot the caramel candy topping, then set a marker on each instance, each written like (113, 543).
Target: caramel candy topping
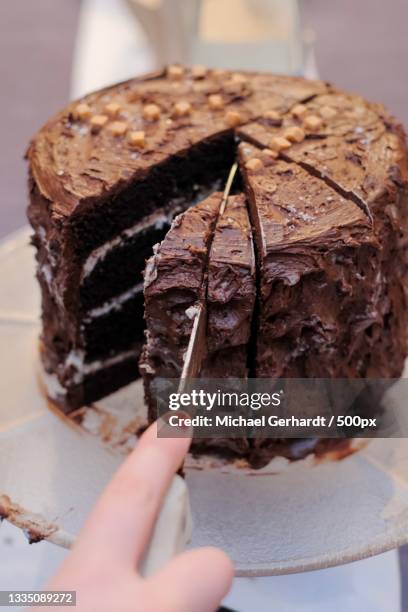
(182, 109)
(82, 112)
(269, 157)
(239, 78)
(151, 112)
(299, 111)
(216, 102)
(137, 139)
(219, 73)
(313, 123)
(233, 118)
(97, 123)
(199, 72)
(112, 109)
(175, 73)
(254, 165)
(118, 128)
(279, 143)
(327, 112)
(272, 115)
(294, 134)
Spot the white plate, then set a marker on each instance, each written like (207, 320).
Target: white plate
(304, 517)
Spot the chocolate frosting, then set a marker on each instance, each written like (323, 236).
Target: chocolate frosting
(294, 210)
(73, 166)
(231, 284)
(359, 149)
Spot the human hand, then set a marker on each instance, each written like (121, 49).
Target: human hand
(102, 566)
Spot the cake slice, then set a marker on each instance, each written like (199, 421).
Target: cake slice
(174, 285)
(231, 293)
(355, 147)
(317, 256)
(230, 302)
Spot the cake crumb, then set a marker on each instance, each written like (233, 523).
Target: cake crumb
(279, 143)
(151, 112)
(294, 134)
(182, 109)
(175, 73)
(313, 123)
(233, 118)
(137, 139)
(82, 112)
(112, 109)
(216, 102)
(98, 122)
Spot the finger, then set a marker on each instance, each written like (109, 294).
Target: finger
(120, 525)
(195, 580)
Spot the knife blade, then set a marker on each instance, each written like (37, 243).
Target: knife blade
(196, 348)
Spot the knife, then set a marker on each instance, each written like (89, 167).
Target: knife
(196, 348)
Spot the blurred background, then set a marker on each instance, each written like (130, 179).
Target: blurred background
(52, 50)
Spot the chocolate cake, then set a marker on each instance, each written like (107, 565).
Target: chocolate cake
(323, 178)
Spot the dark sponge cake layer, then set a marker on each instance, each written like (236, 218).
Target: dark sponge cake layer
(116, 266)
(116, 330)
(106, 343)
(98, 384)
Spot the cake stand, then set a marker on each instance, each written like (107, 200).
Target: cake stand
(294, 517)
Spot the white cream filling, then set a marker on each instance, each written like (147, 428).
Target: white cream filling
(157, 220)
(46, 272)
(50, 255)
(98, 255)
(113, 304)
(76, 360)
(54, 387)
